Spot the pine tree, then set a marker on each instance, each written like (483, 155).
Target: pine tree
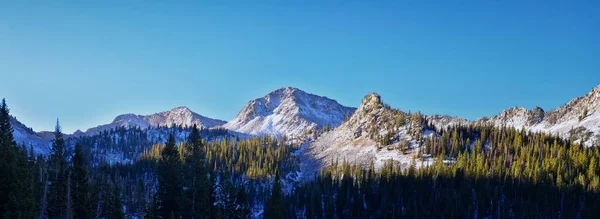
(169, 180)
(228, 198)
(7, 164)
(117, 206)
(79, 188)
(243, 208)
(196, 179)
(274, 206)
(57, 198)
(16, 194)
(215, 212)
(111, 206)
(35, 168)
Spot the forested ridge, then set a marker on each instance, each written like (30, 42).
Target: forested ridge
(506, 173)
(479, 172)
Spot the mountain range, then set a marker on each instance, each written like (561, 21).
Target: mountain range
(294, 113)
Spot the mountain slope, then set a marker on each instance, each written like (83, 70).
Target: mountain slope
(375, 132)
(26, 136)
(180, 116)
(288, 111)
(579, 118)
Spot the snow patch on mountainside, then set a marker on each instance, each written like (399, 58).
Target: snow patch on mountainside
(290, 112)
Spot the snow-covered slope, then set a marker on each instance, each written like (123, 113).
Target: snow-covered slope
(579, 118)
(26, 136)
(180, 116)
(362, 138)
(288, 111)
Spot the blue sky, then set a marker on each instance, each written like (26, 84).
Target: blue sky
(88, 61)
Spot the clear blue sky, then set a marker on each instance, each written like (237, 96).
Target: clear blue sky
(88, 61)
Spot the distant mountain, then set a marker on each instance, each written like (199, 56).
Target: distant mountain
(290, 112)
(180, 116)
(579, 118)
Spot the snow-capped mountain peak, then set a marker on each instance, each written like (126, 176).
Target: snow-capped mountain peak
(288, 111)
(179, 116)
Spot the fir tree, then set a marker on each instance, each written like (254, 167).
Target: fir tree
(274, 206)
(79, 188)
(243, 208)
(169, 180)
(116, 204)
(7, 164)
(57, 198)
(16, 194)
(196, 179)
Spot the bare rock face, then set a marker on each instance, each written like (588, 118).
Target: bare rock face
(288, 112)
(536, 116)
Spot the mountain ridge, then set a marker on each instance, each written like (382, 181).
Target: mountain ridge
(181, 116)
(580, 118)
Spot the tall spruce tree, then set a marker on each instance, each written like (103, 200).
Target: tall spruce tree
(197, 196)
(243, 207)
(57, 197)
(16, 196)
(80, 194)
(274, 206)
(117, 205)
(35, 181)
(169, 181)
(7, 163)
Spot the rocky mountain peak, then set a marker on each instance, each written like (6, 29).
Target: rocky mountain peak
(373, 118)
(181, 109)
(287, 90)
(370, 102)
(288, 111)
